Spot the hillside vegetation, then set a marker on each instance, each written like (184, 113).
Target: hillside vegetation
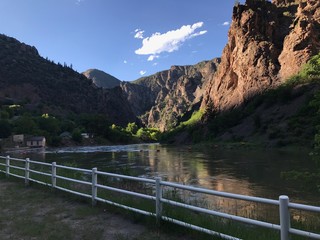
(161, 99)
(288, 114)
(240, 97)
(42, 86)
(41, 98)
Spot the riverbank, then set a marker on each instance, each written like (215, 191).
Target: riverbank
(33, 213)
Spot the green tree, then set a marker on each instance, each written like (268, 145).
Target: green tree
(4, 115)
(155, 134)
(317, 142)
(94, 123)
(67, 125)
(132, 128)
(76, 135)
(143, 134)
(5, 129)
(49, 124)
(25, 125)
(312, 68)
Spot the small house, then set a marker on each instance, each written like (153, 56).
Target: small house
(18, 139)
(36, 142)
(85, 135)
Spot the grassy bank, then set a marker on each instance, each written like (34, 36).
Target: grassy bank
(44, 210)
(38, 213)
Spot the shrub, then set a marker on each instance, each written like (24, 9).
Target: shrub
(76, 135)
(312, 68)
(132, 128)
(5, 129)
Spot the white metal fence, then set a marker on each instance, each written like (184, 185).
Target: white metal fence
(21, 168)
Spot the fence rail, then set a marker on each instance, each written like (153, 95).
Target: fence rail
(22, 168)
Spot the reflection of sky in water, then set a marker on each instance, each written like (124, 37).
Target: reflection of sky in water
(248, 172)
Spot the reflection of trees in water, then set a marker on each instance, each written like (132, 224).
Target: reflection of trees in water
(242, 171)
(242, 208)
(252, 173)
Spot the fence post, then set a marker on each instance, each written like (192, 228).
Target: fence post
(158, 199)
(7, 166)
(27, 172)
(284, 217)
(94, 186)
(54, 174)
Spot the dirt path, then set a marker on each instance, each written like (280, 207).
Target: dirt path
(33, 213)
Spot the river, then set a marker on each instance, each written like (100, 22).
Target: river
(254, 172)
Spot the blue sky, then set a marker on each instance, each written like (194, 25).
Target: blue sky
(125, 38)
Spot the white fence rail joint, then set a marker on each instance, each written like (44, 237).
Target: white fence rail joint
(7, 166)
(54, 174)
(27, 172)
(94, 186)
(158, 199)
(284, 217)
(283, 203)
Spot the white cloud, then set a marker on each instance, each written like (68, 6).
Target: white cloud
(155, 64)
(169, 41)
(139, 33)
(125, 62)
(152, 57)
(199, 33)
(142, 72)
(226, 24)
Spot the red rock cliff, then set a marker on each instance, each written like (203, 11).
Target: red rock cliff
(267, 42)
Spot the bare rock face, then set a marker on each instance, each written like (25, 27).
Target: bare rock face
(161, 99)
(102, 79)
(284, 3)
(267, 42)
(303, 41)
(141, 98)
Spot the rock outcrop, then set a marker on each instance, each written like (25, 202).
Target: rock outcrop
(161, 99)
(303, 41)
(267, 43)
(102, 79)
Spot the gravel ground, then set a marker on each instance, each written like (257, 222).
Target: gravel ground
(37, 213)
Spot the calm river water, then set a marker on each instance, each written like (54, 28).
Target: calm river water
(243, 171)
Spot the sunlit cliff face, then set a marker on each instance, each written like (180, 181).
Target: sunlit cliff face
(267, 43)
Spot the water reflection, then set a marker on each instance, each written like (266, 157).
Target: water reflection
(248, 172)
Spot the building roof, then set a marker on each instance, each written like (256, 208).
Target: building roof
(38, 138)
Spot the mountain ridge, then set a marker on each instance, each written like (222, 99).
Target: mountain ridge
(164, 97)
(101, 78)
(46, 87)
(267, 42)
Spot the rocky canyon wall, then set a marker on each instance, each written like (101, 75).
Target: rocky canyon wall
(267, 43)
(161, 99)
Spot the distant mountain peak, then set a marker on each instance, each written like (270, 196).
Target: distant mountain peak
(102, 79)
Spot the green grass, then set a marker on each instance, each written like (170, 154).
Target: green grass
(203, 220)
(26, 226)
(36, 213)
(195, 118)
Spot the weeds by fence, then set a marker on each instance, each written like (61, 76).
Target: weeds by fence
(93, 184)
